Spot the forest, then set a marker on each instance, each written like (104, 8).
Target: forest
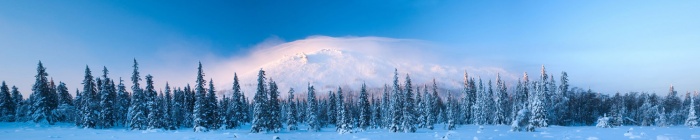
(400, 107)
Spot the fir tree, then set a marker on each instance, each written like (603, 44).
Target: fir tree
(260, 111)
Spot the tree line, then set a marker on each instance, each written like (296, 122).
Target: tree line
(400, 107)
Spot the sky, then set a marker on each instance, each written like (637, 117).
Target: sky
(608, 46)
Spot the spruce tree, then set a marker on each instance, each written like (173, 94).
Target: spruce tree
(396, 105)
(692, 119)
(200, 103)
(260, 110)
(137, 108)
(212, 115)
(42, 102)
(19, 104)
(90, 102)
(365, 108)
(333, 109)
(450, 112)
(7, 105)
(376, 113)
(344, 118)
(122, 104)
(275, 124)
(428, 109)
(340, 110)
(189, 103)
(312, 117)
(237, 104)
(108, 96)
(292, 113)
(479, 112)
(168, 117)
(154, 110)
(408, 108)
(501, 116)
(178, 110)
(468, 100)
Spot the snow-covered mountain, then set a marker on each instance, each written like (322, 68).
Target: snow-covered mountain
(328, 62)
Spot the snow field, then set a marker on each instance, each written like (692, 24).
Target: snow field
(31, 131)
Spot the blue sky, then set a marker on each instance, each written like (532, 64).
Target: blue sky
(606, 45)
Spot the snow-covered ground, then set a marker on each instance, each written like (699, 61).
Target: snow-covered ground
(31, 131)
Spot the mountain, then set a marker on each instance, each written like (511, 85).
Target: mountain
(328, 62)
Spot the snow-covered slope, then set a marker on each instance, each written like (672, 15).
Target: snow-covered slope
(328, 62)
